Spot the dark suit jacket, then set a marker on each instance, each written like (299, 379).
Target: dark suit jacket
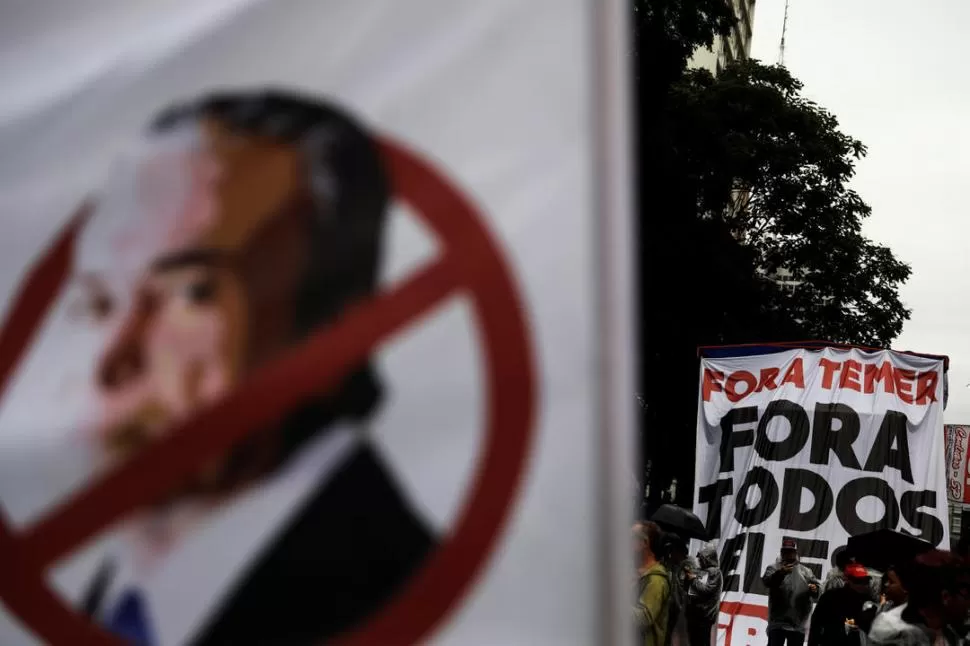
(352, 547)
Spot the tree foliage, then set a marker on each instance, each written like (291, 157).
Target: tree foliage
(740, 177)
(667, 32)
(775, 169)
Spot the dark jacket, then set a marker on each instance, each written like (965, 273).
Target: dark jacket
(677, 621)
(789, 596)
(834, 580)
(352, 547)
(833, 608)
(704, 592)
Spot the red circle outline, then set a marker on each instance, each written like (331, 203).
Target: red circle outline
(471, 261)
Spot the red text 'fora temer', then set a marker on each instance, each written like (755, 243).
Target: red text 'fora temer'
(910, 386)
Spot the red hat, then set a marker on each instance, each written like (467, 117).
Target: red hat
(789, 544)
(856, 571)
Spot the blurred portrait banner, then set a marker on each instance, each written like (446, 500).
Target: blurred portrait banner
(815, 444)
(303, 333)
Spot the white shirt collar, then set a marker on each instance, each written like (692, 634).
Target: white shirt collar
(190, 584)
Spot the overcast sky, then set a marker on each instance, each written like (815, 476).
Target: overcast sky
(889, 70)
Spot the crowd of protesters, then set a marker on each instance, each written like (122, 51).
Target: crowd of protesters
(922, 601)
(678, 596)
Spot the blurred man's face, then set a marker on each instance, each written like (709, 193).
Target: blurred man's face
(188, 270)
(788, 555)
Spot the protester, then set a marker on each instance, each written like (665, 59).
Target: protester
(679, 564)
(893, 592)
(840, 605)
(703, 597)
(652, 606)
(835, 577)
(939, 599)
(792, 588)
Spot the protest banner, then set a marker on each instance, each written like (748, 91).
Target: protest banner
(317, 323)
(816, 444)
(957, 467)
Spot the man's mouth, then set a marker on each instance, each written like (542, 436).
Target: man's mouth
(128, 438)
(121, 439)
(124, 440)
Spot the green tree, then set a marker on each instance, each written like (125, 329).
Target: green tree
(667, 32)
(665, 35)
(774, 168)
(706, 257)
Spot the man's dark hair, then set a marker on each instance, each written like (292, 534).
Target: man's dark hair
(351, 193)
(345, 173)
(842, 558)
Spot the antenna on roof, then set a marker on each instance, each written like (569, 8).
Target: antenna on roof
(784, 32)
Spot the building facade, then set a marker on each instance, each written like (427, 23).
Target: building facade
(728, 49)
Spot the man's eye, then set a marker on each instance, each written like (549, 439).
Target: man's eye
(201, 291)
(94, 307)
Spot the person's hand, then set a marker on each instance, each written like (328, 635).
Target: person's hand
(690, 575)
(813, 587)
(788, 567)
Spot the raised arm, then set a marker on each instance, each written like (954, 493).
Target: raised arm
(773, 575)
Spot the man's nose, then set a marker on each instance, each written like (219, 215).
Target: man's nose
(125, 359)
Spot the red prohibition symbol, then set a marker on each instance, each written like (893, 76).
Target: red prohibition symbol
(471, 264)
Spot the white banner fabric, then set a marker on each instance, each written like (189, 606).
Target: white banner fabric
(814, 445)
(318, 314)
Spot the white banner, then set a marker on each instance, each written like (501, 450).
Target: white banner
(317, 322)
(815, 445)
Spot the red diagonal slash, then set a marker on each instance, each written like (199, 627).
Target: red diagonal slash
(471, 261)
(35, 298)
(305, 370)
(27, 595)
